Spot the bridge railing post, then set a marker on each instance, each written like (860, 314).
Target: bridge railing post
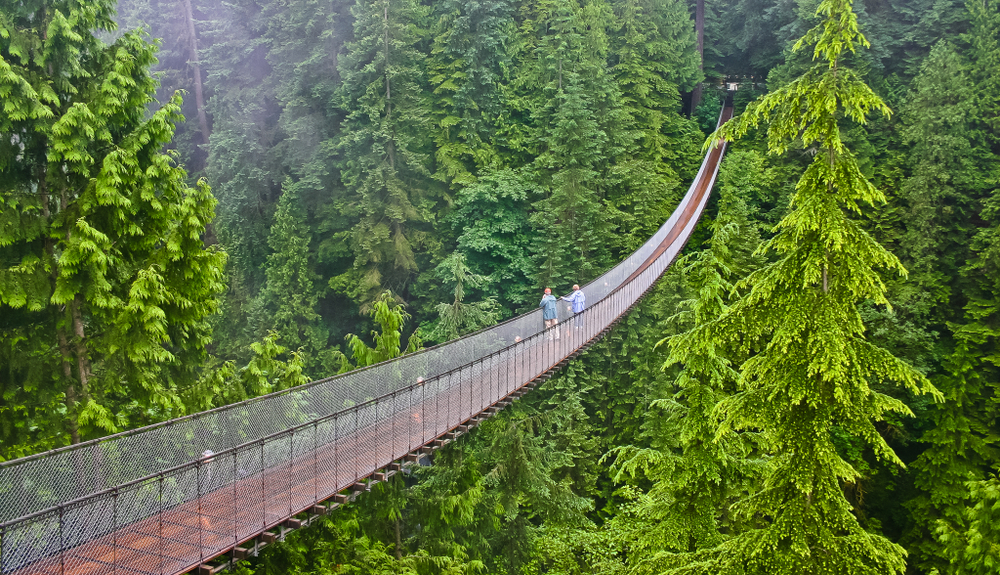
(393, 413)
(423, 415)
(354, 452)
(291, 471)
(201, 546)
(315, 470)
(501, 365)
(484, 375)
(159, 523)
(335, 441)
(62, 541)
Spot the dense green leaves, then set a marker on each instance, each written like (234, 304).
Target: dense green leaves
(811, 373)
(103, 247)
(464, 152)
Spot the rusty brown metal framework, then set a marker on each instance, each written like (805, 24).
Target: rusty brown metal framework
(166, 499)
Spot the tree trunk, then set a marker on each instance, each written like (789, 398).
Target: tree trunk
(699, 26)
(72, 425)
(80, 342)
(199, 96)
(71, 400)
(385, 28)
(399, 542)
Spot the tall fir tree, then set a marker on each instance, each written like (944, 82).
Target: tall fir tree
(653, 56)
(460, 317)
(943, 191)
(810, 376)
(385, 147)
(289, 300)
(571, 97)
(102, 251)
(495, 236)
(963, 444)
(467, 67)
(973, 546)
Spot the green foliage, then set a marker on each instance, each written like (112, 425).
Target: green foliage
(390, 317)
(459, 318)
(289, 300)
(387, 177)
(102, 239)
(943, 187)
(460, 152)
(974, 549)
(492, 215)
(812, 366)
(471, 39)
(695, 475)
(264, 373)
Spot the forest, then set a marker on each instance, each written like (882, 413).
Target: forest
(204, 201)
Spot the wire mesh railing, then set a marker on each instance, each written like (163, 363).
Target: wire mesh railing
(165, 498)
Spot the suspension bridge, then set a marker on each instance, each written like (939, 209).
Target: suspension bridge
(171, 498)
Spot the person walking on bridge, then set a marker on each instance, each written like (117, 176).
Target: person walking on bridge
(549, 313)
(579, 302)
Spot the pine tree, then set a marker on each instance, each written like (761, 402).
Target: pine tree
(460, 317)
(385, 145)
(495, 236)
(571, 96)
(390, 317)
(289, 300)
(963, 443)
(812, 371)
(653, 54)
(570, 219)
(471, 39)
(102, 239)
(942, 192)
(984, 65)
(974, 548)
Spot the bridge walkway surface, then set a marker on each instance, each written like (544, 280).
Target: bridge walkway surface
(168, 498)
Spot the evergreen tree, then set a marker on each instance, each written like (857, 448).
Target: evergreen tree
(289, 300)
(811, 375)
(944, 187)
(572, 98)
(458, 317)
(471, 39)
(385, 147)
(225, 383)
(653, 56)
(984, 69)
(495, 236)
(390, 316)
(963, 444)
(974, 549)
(102, 250)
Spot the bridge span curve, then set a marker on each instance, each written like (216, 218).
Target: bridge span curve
(165, 499)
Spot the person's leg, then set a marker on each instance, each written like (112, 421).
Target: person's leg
(549, 324)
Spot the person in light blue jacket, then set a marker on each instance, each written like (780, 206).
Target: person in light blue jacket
(579, 301)
(550, 315)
